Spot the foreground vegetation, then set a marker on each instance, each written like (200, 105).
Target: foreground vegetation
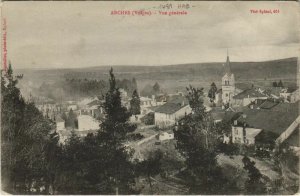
(32, 160)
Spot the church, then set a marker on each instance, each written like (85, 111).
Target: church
(226, 94)
(231, 96)
(228, 83)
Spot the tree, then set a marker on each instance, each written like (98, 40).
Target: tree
(280, 84)
(72, 120)
(275, 84)
(151, 166)
(196, 141)
(212, 92)
(118, 173)
(134, 84)
(25, 135)
(156, 88)
(254, 183)
(135, 107)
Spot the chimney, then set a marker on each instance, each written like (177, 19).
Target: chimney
(182, 104)
(244, 116)
(235, 122)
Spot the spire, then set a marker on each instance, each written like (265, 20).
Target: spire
(227, 65)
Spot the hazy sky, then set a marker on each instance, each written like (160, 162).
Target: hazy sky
(83, 34)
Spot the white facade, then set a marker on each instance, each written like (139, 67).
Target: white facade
(245, 135)
(166, 136)
(86, 122)
(146, 102)
(228, 87)
(295, 96)
(166, 120)
(60, 126)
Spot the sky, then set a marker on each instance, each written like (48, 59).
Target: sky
(85, 34)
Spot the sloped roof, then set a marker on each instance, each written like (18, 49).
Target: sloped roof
(94, 102)
(293, 139)
(252, 92)
(58, 119)
(268, 104)
(173, 105)
(226, 116)
(275, 121)
(273, 91)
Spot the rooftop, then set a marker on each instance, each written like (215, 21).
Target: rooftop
(173, 105)
(274, 120)
(249, 93)
(59, 119)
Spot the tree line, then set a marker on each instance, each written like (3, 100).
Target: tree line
(72, 87)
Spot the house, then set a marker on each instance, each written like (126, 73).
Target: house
(228, 83)
(60, 123)
(295, 96)
(218, 114)
(87, 122)
(286, 94)
(166, 136)
(167, 114)
(264, 126)
(280, 93)
(247, 96)
(244, 135)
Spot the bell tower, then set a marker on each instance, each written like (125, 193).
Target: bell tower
(228, 83)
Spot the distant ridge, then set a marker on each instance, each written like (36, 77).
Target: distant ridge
(291, 59)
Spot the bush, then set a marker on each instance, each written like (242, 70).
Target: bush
(229, 149)
(135, 137)
(148, 119)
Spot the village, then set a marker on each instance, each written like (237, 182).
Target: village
(258, 119)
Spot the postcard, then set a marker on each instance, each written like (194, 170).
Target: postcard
(150, 97)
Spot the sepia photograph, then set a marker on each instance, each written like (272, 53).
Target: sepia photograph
(150, 98)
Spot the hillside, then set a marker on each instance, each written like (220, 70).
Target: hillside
(176, 77)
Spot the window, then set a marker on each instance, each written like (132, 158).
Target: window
(236, 131)
(226, 94)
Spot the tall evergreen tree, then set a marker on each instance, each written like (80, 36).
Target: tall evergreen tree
(134, 84)
(196, 140)
(118, 172)
(212, 92)
(156, 88)
(25, 134)
(72, 120)
(275, 84)
(135, 107)
(280, 84)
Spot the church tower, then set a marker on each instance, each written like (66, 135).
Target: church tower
(228, 83)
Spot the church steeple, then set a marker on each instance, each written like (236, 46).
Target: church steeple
(227, 65)
(228, 83)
